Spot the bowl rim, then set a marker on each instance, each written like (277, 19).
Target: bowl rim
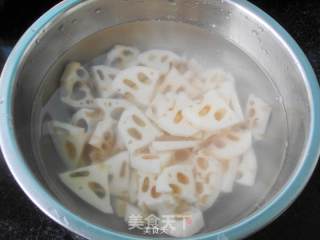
(56, 211)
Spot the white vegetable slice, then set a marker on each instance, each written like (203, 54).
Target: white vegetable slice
(122, 57)
(136, 130)
(179, 181)
(158, 59)
(136, 84)
(173, 120)
(112, 107)
(160, 146)
(150, 163)
(131, 211)
(119, 206)
(230, 168)
(258, 113)
(150, 197)
(208, 174)
(195, 80)
(87, 119)
(75, 90)
(134, 186)
(91, 185)
(248, 169)
(103, 135)
(105, 141)
(189, 68)
(176, 82)
(215, 78)
(160, 106)
(224, 84)
(119, 174)
(230, 143)
(211, 113)
(69, 141)
(103, 77)
(188, 223)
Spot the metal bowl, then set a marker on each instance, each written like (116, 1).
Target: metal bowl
(234, 34)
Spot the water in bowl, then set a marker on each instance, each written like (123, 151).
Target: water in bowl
(209, 49)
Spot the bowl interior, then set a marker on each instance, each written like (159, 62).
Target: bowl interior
(217, 34)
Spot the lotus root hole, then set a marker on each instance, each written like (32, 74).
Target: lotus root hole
(154, 192)
(80, 174)
(145, 184)
(135, 133)
(100, 74)
(130, 84)
(81, 73)
(71, 149)
(138, 121)
(127, 52)
(204, 111)
(203, 163)
(199, 187)
(219, 115)
(182, 178)
(178, 118)
(143, 78)
(116, 113)
(175, 188)
(98, 190)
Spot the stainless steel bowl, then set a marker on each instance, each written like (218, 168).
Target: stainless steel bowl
(232, 34)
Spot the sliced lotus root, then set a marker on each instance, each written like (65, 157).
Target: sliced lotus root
(193, 77)
(258, 114)
(103, 77)
(247, 170)
(149, 196)
(136, 130)
(87, 119)
(160, 146)
(175, 82)
(122, 57)
(75, 90)
(215, 78)
(91, 185)
(208, 174)
(178, 180)
(230, 143)
(69, 141)
(189, 68)
(173, 121)
(119, 174)
(230, 170)
(210, 113)
(186, 224)
(119, 206)
(224, 84)
(136, 84)
(205, 164)
(182, 156)
(131, 211)
(160, 105)
(150, 162)
(103, 136)
(104, 141)
(134, 186)
(112, 108)
(158, 59)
